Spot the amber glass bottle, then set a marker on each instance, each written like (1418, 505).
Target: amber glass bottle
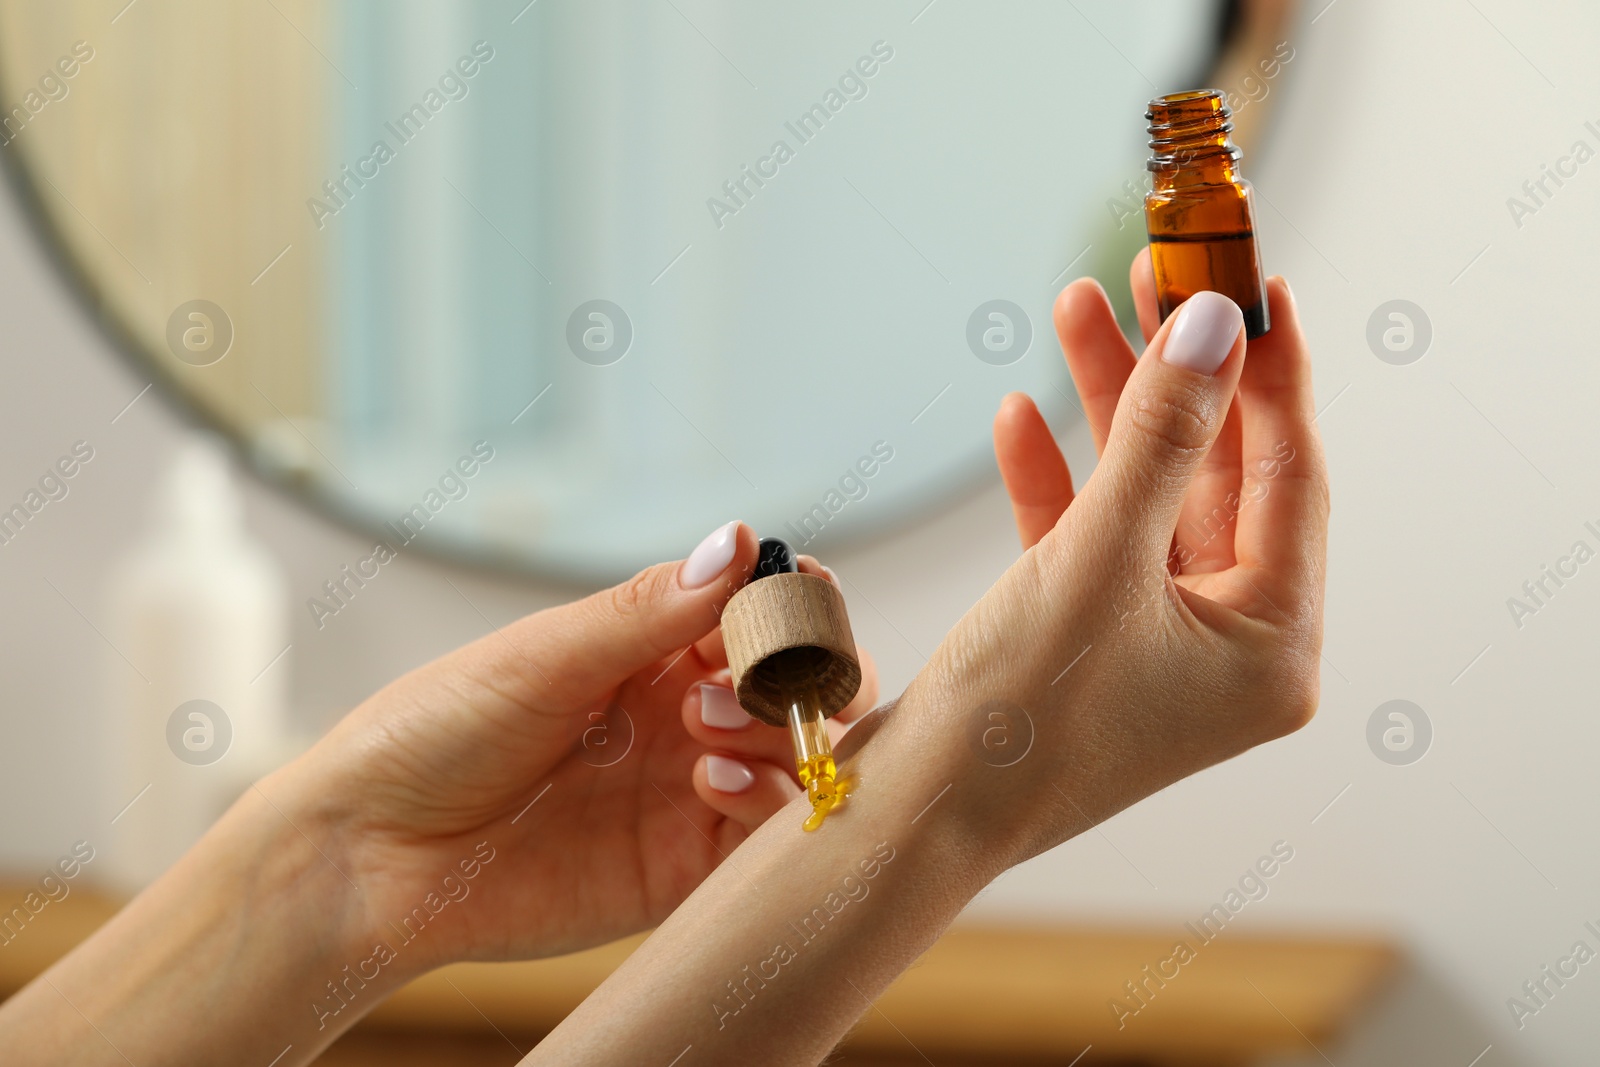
(1200, 213)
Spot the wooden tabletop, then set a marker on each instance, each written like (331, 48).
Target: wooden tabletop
(983, 994)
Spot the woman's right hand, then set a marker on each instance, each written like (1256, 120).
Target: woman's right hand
(1131, 645)
(1166, 618)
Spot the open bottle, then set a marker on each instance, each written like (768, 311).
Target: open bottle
(1200, 212)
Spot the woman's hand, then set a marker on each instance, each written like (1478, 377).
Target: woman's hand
(1169, 616)
(595, 747)
(548, 787)
(1165, 619)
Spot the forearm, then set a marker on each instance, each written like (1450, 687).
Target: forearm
(779, 952)
(222, 960)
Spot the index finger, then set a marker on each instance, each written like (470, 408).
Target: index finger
(1098, 355)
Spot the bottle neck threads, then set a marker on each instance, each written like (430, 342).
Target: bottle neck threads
(1190, 138)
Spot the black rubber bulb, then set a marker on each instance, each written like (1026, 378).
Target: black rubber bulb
(775, 557)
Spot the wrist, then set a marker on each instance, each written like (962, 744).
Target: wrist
(324, 874)
(288, 860)
(976, 772)
(921, 781)
(764, 941)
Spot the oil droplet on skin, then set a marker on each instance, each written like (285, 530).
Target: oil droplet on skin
(824, 788)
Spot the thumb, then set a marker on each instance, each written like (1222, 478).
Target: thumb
(1170, 413)
(580, 650)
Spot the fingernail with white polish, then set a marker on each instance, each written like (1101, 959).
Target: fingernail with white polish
(1208, 324)
(728, 775)
(720, 709)
(710, 557)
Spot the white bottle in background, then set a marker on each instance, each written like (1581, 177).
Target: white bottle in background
(200, 610)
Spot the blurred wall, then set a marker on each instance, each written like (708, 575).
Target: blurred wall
(1403, 132)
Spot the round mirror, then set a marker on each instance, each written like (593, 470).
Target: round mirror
(557, 284)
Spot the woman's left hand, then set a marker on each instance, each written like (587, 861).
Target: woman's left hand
(562, 782)
(593, 750)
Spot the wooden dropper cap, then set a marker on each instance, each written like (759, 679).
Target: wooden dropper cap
(784, 622)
